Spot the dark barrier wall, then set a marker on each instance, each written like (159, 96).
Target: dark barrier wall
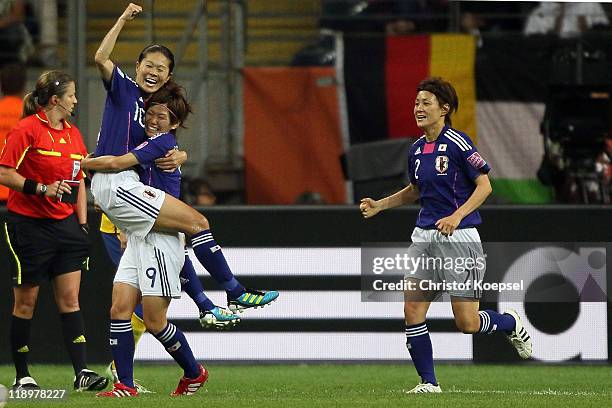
(329, 227)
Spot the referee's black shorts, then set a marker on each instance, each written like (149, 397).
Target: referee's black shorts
(41, 249)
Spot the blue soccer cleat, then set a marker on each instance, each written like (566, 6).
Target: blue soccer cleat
(218, 318)
(252, 299)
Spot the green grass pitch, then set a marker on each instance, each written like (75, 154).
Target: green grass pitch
(349, 386)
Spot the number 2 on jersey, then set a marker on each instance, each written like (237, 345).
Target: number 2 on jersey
(417, 163)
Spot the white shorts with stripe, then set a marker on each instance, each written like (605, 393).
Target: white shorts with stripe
(153, 264)
(452, 252)
(132, 206)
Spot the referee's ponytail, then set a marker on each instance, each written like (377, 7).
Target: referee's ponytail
(49, 83)
(445, 93)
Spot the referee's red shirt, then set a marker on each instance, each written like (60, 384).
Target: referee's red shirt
(45, 155)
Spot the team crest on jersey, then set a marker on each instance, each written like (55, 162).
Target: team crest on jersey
(442, 164)
(149, 193)
(476, 160)
(418, 151)
(442, 147)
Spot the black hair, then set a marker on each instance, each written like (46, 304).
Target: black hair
(158, 48)
(173, 96)
(445, 93)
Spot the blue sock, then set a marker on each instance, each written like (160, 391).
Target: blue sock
(491, 321)
(175, 343)
(193, 287)
(211, 257)
(139, 312)
(122, 348)
(421, 351)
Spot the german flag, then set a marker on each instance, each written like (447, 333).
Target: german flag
(381, 76)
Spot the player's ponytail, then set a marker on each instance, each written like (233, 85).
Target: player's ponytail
(445, 93)
(30, 106)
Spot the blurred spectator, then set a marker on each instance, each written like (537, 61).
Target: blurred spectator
(565, 19)
(471, 24)
(12, 85)
(201, 192)
(13, 34)
(417, 16)
(309, 198)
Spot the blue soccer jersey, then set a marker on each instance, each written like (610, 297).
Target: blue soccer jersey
(154, 148)
(444, 171)
(123, 119)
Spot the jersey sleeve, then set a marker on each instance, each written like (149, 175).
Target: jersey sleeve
(473, 163)
(119, 87)
(154, 148)
(18, 141)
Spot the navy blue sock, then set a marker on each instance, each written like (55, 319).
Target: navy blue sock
(193, 287)
(175, 343)
(418, 343)
(122, 348)
(491, 321)
(139, 312)
(211, 257)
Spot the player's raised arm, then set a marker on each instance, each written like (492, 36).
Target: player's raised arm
(102, 57)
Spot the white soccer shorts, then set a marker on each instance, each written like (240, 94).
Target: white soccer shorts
(153, 264)
(132, 206)
(452, 252)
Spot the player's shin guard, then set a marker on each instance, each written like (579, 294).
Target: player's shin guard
(20, 337)
(122, 348)
(175, 343)
(491, 321)
(138, 327)
(73, 329)
(419, 345)
(193, 287)
(211, 257)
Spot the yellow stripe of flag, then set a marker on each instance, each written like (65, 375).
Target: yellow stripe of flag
(453, 57)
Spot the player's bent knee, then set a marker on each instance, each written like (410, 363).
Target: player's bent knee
(24, 310)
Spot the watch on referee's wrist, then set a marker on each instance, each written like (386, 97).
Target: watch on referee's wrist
(43, 190)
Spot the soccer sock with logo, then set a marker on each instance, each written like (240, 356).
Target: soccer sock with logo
(175, 343)
(491, 321)
(20, 337)
(73, 329)
(193, 287)
(122, 349)
(419, 345)
(211, 257)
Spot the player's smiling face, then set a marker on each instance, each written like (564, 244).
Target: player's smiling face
(152, 72)
(427, 110)
(158, 120)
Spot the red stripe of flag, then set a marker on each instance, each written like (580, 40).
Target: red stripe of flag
(407, 63)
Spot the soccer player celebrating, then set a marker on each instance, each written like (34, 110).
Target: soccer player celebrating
(150, 267)
(122, 130)
(449, 177)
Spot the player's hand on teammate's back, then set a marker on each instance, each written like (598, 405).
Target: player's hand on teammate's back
(172, 160)
(369, 207)
(131, 11)
(448, 225)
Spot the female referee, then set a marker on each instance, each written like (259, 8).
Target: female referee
(121, 194)
(46, 228)
(449, 177)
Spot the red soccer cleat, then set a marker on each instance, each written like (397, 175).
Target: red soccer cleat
(119, 391)
(189, 386)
